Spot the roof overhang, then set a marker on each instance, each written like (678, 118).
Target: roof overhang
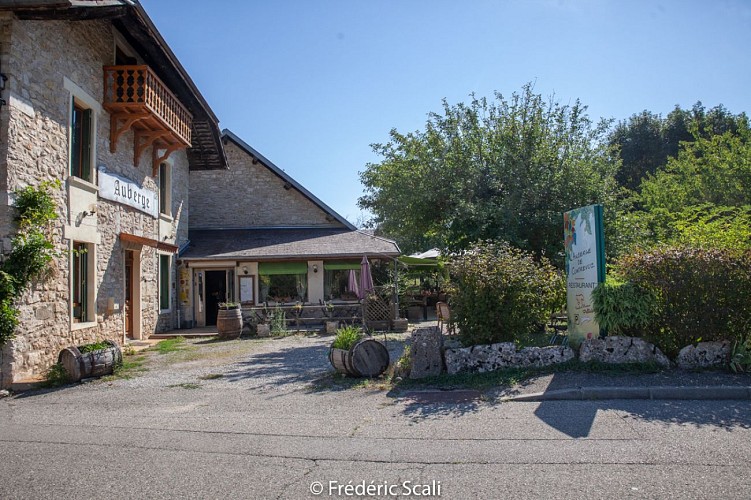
(132, 21)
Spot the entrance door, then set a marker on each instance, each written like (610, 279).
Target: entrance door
(216, 292)
(129, 294)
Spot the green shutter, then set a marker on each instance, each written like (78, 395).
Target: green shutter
(164, 282)
(84, 256)
(269, 268)
(340, 265)
(86, 139)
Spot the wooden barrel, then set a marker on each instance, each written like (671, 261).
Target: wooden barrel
(91, 364)
(229, 323)
(341, 359)
(370, 357)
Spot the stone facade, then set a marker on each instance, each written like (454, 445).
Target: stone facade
(261, 199)
(47, 64)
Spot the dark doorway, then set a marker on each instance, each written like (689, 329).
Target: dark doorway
(216, 292)
(129, 294)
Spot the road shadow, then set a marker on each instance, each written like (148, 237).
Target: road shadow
(575, 418)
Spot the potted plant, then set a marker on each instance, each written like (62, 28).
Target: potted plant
(354, 355)
(90, 360)
(229, 321)
(340, 354)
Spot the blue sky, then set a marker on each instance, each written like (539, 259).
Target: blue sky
(312, 83)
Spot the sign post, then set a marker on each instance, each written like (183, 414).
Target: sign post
(584, 242)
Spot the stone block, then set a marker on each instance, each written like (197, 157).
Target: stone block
(704, 355)
(620, 350)
(426, 353)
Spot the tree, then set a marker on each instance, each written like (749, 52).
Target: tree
(645, 141)
(489, 170)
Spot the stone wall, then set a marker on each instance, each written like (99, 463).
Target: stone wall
(43, 61)
(259, 197)
(488, 358)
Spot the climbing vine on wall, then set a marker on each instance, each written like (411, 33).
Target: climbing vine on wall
(32, 250)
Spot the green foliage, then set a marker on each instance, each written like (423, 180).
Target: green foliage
(702, 294)
(645, 141)
(96, 346)
(740, 358)
(32, 250)
(714, 171)
(170, 345)
(502, 293)
(622, 308)
(346, 337)
(278, 322)
(501, 169)
(56, 376)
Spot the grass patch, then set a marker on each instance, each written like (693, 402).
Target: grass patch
(211, 376)
(171, 345)
(56, 376)
(187, 385)
(129, 368)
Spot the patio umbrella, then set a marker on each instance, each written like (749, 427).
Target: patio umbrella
(352, 284)
(366, 279)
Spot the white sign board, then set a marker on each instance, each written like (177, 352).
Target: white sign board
(122, 190)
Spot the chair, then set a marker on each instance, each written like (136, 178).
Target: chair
(443, 313)
(558, 324)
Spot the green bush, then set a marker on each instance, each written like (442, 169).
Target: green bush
(702, 294)
(501, 293)
(346, 337)
(622, 308)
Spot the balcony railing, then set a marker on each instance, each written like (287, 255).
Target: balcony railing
(136, 98)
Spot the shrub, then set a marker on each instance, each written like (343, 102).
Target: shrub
(346, 337)
(702, 294)
(622, 308)
(502, 292)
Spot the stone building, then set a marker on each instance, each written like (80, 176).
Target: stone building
(93, 96)
(276, 243)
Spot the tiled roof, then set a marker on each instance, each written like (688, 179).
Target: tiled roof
(288, 243)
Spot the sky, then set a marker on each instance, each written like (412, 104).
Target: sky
(311, 84)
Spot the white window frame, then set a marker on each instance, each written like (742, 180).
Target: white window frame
(84, 100)
(91, 288)
(168, 198)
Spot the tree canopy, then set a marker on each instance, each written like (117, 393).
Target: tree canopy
(501, 169)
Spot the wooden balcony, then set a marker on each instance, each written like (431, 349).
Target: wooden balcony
(137, 99)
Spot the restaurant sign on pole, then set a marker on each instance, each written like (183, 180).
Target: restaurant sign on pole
(584, 242)
(116, 188)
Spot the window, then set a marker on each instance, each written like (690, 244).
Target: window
(283, 287)
(165, 189)
(81, 142)
(341, 284)
(164, 282)
(283, 281)
(81, 282)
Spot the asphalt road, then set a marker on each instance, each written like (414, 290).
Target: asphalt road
(273, 427)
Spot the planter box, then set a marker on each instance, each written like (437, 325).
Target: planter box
(400, 325)
(80, 365)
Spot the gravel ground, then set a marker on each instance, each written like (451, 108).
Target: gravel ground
(283, 364)
(300, 363)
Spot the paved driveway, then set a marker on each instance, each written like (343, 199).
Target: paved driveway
(276, 424)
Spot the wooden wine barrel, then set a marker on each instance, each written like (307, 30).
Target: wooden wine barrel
(370, 357)
(229, 323)
(341, 359)
(91, 364)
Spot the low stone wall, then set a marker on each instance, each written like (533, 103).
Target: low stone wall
(426, 347)
(488, 358)
(620, 350)
(704, 355)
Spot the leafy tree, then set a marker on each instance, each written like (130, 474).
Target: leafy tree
(645, 141)
(503, 169)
